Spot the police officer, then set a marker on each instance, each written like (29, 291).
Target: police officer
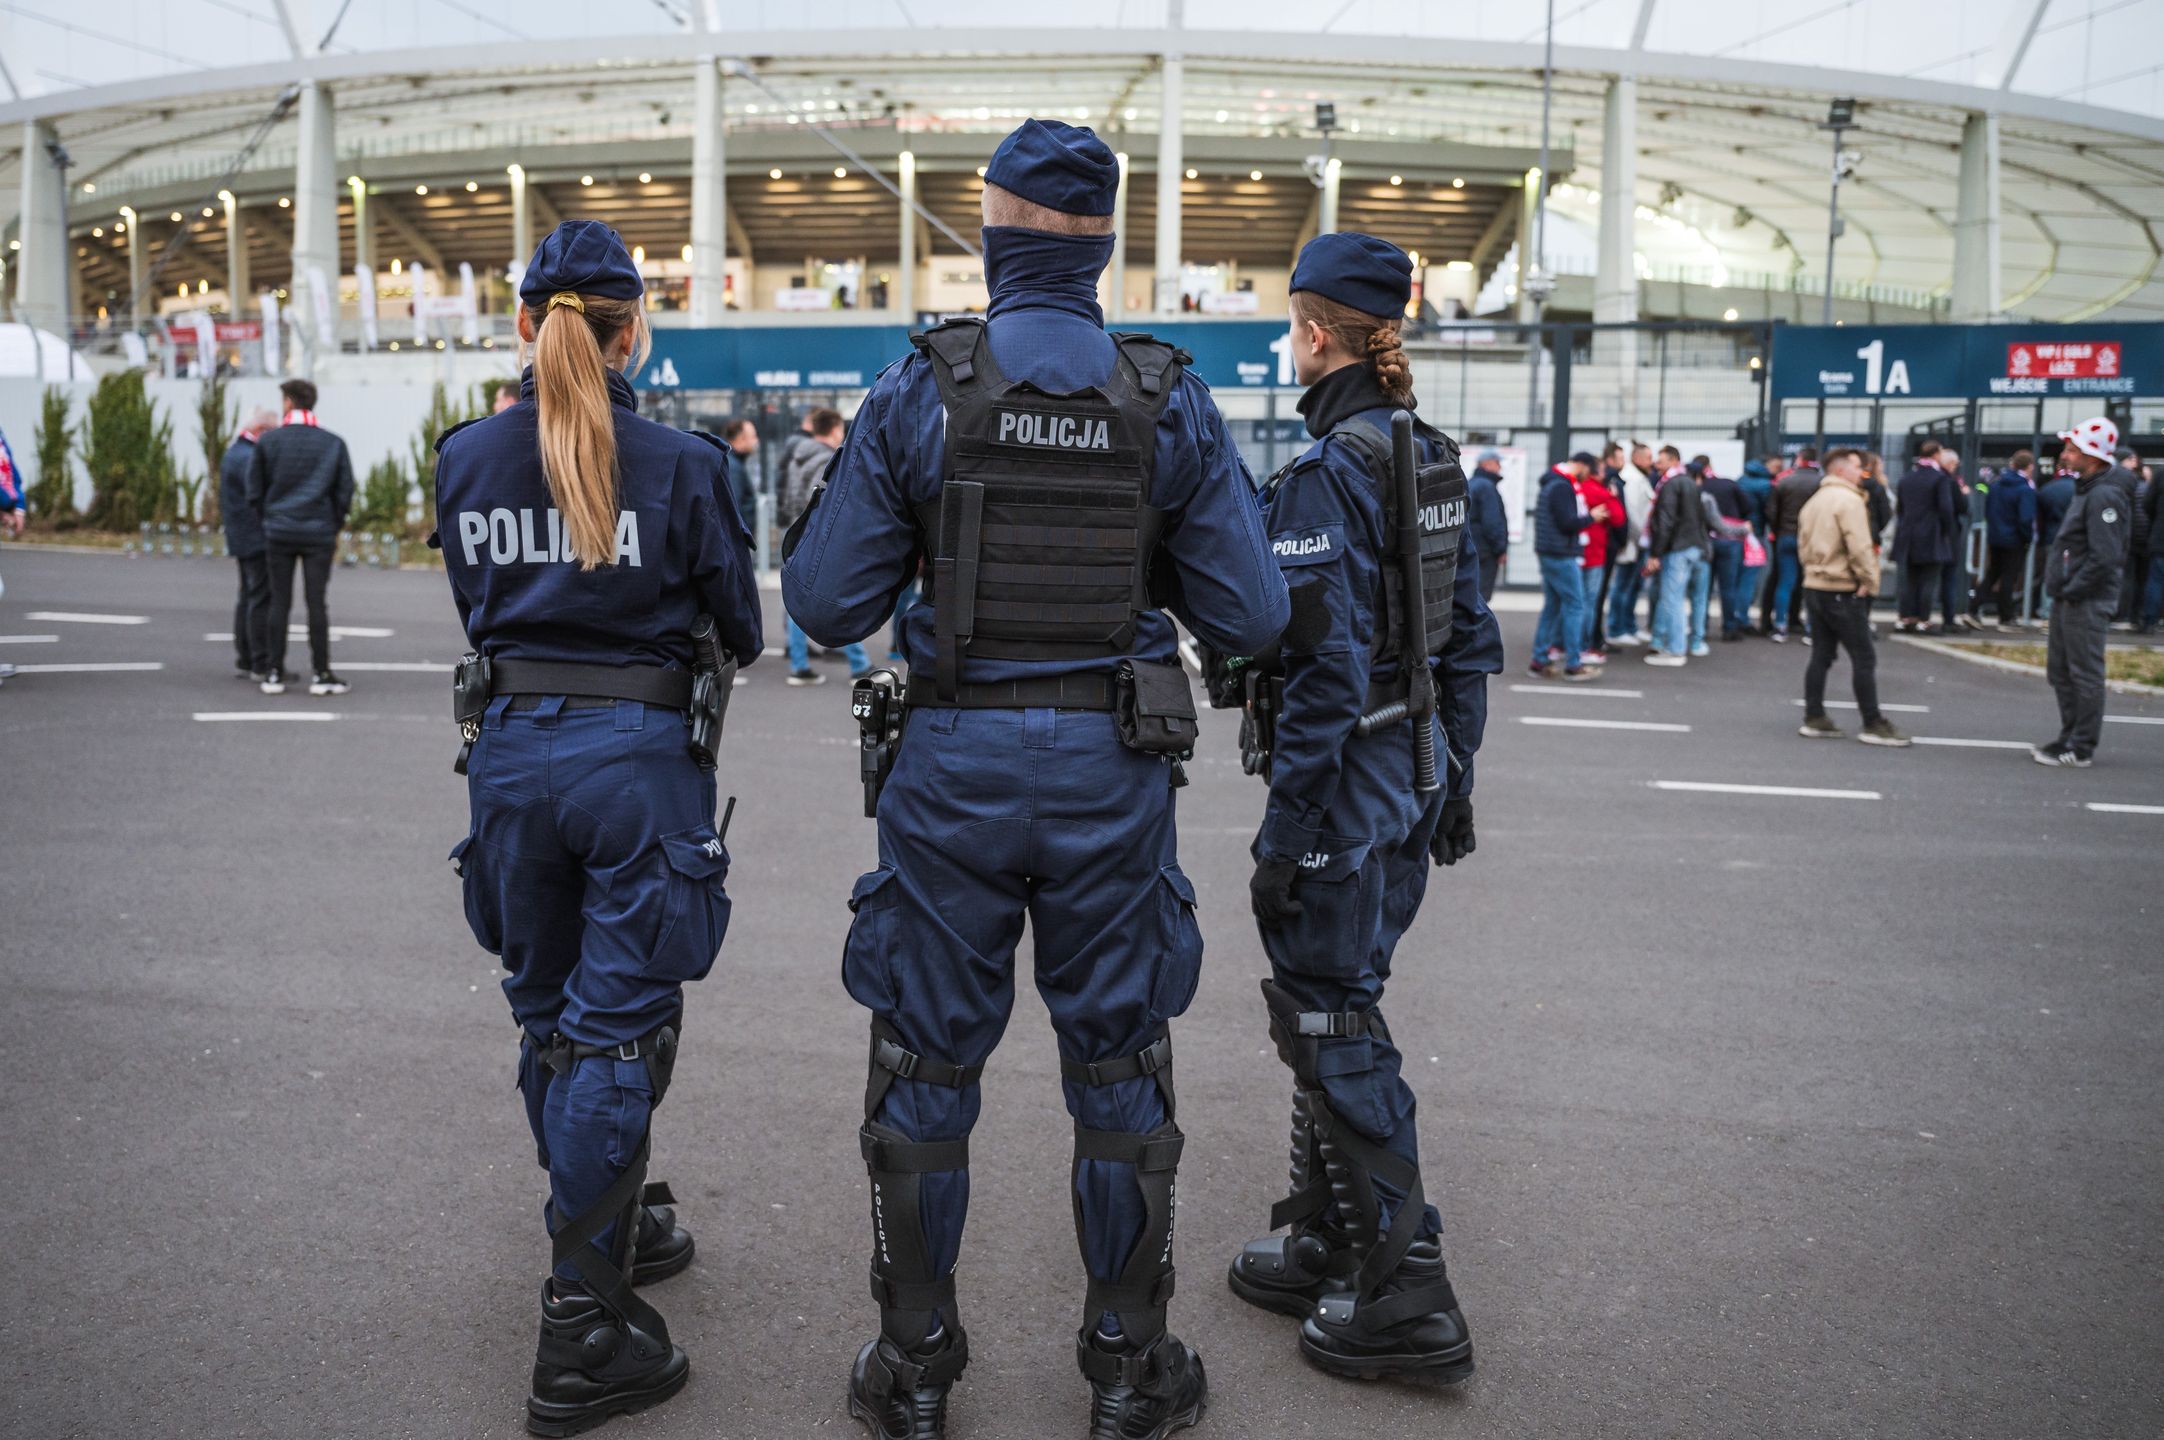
(1057, 478)
(1341, 860)
(583, 543)
(2083, 569)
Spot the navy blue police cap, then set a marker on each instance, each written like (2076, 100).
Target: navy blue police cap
(1059, 166)
(585, 257)
(1370, 274)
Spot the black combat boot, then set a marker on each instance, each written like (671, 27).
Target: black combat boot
(665, 1247)
(590, 1364)
(1142, 1394)
(901, 1392)
(1411, 1327)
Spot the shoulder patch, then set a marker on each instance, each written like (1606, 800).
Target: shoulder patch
(1313, 545)
(2109, 516)
(438, 447)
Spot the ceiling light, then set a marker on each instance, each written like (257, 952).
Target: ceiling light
(586, 179)
(1457, 182)
(1223, 116)
(420, 189)
(1254, 174)
(472, 185)
(1191, 173)
(89, 188)
(176, 217)
(638, 254)
(1729, 313)
(687, 254)
(980, 172)
(396, 265)
(208, 212)
(841, 172)
(646, 177)
(1397, 180)
(773, 174)
(97, 232)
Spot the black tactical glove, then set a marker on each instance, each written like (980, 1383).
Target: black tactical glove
(1453, 839)
(1270, 892)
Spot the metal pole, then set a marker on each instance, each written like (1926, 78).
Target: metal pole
(1833, 230)
(1536, 273)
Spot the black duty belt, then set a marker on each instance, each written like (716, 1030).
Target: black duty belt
(1051, 692)
(650, 683)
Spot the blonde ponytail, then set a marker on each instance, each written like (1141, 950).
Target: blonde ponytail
(578, 426)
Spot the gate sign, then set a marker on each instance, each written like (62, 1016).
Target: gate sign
(1228, 355)
(1940, 362)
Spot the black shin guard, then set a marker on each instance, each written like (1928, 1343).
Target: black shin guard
(607, 1277)
(1343, 1167)
(1143, 1289)
(910, 1295)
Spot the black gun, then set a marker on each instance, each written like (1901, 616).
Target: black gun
(713, 678)
(875, 700)
(1419, 702)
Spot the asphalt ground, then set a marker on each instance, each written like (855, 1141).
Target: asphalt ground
(1748, 1114)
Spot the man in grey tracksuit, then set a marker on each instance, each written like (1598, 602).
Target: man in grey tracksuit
(2082, 572)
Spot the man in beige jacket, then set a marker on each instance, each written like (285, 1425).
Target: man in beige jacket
(1840, 575)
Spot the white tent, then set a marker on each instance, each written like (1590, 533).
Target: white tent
(28, 353)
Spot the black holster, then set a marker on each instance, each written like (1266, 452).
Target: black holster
(875, 701)
(471, 680)
(713, 678)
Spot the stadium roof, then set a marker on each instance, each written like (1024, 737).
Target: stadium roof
(158, 93)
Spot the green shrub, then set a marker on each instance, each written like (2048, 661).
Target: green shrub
(53, 498)
(216, 426)
(382, 501)
(128, 451)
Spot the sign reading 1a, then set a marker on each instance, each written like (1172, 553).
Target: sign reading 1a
(1875, 368)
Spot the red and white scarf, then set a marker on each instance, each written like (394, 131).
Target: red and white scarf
(299, 417)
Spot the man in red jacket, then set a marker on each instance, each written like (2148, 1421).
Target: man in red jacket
(1603, 508)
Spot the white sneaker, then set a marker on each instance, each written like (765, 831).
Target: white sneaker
(274, 683)
(328, 683)
(1624, 642)
(1662, 657)
(1701, 650)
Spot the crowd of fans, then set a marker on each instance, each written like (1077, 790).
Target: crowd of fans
(1636, 546)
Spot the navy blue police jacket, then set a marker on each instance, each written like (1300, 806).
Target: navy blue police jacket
(1325, 516)
(681, 548)
(859, 546)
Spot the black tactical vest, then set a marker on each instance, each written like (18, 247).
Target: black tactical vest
(1042, 532)
(1443, 508)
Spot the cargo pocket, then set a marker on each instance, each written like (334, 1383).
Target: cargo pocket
(481, 917)
(1346, 1068)
(698, 917)
(1179, 965)
(867, 957)
(1341, 902)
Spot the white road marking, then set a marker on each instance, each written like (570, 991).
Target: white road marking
(89, 668)
(1574, 723)
(1796, 792)
(300, 632)
(1896, 709)
(1972, 744)
(50, 639)
(2111, 809)
(301, 715)
(1581, 690)
(2108, 719)
(412, 667)
(71, 617)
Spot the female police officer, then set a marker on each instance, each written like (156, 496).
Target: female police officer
(1341, 860)
(582, 544)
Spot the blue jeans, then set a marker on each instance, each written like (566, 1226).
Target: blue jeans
(1623, 598)
(1679, 578)
(799, 645)
(1562, 610)
(2152, 597)
(1591, 580)
(1728, 574)
(1788, 570)
(1701, 598)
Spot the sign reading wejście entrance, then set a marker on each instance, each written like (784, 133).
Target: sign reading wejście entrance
(1893, 362)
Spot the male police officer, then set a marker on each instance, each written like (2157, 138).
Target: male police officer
(2082, 574)
(1057, 478)
(1341, 860)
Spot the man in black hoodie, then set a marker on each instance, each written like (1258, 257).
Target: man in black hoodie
(2082, 573)
(244, 542)
(300, 486)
